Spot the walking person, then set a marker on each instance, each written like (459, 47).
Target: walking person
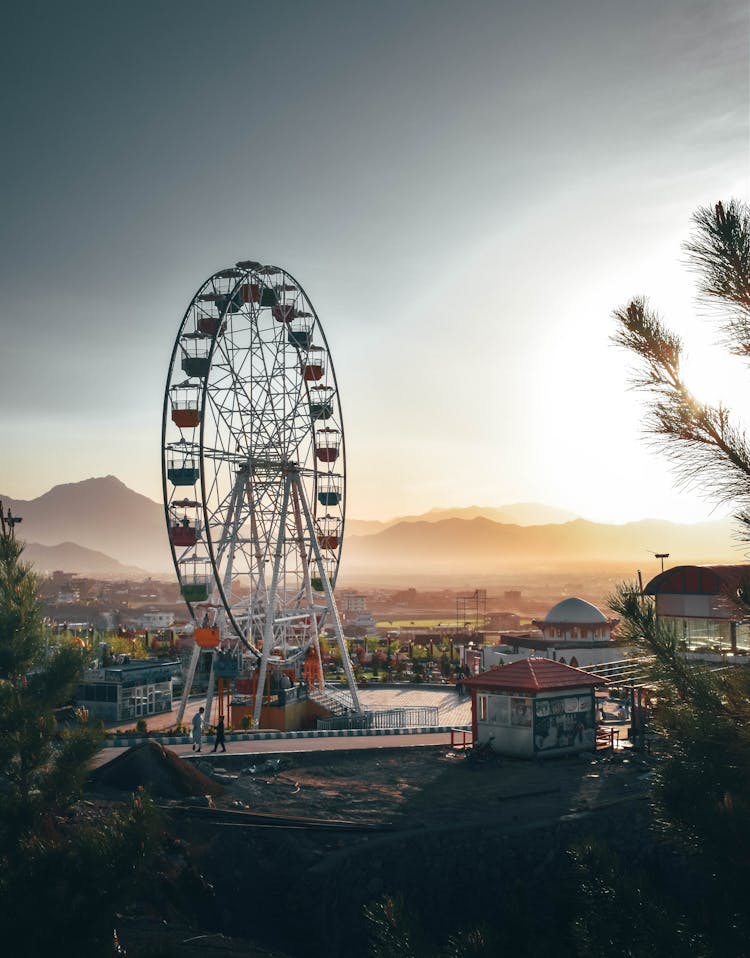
(219, 735)
(198, 729)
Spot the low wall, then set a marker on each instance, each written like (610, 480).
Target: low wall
(123, 742)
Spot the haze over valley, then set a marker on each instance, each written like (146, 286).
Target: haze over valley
(101, 527)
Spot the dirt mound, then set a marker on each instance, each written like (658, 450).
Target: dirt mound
(158, 769)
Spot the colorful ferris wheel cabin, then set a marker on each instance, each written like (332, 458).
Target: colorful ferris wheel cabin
(207, 325)
(327, 444)
(183, 535)
(321, 410)
(184, 528)
(183, 472)
(195, 580)
(250, 292)
(206, 638)
(318, 584)
(329, 531)
(329, 493)
(196, 365)
(321, 402)
(300, 336)
(268, 297)
(184, 400)
(285, 314)
(314, 365)
(312, 372)
(231, 302)
(187, 417)
(194, 591)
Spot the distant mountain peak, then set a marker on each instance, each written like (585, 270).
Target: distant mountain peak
(100, 514)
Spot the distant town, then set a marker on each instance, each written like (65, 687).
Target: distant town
(88, 606)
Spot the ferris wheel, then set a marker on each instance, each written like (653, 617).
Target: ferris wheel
(254, 469)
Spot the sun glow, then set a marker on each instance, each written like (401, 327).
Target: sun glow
(713, 377)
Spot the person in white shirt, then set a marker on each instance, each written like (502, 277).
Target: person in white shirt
(198, 729)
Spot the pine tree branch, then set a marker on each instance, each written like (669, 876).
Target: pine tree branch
(720, 253)
(705, 447)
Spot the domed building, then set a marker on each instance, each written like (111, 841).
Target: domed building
(574, 620)
(574, 632)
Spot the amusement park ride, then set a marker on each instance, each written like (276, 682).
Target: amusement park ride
(254, 482)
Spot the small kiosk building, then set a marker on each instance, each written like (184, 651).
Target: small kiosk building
(533, 708)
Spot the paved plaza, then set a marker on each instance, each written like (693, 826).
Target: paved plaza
(452, 711)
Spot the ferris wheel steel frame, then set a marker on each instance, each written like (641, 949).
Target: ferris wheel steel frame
(254, 469)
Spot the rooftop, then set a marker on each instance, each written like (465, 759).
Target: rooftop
(700, 580)
(575, 611)
(533, 675)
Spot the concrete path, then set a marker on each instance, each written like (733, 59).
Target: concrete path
(293, 745)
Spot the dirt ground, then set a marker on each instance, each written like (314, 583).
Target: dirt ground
(320, 809)
(423, 787)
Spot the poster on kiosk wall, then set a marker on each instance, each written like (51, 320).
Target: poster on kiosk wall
(564, 722)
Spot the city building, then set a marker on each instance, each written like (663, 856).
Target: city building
(127, 690)
(703, 604)
(154, 619)
(498, 621)
(352, 603)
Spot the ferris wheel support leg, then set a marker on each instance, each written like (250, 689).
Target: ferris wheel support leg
(307, 583)
(229, 538)
(339, 635)
(262, 592)
(271, 608)
(330, 602)
(210, 690)
(188, 683)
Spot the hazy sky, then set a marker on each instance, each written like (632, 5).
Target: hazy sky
(465, 189)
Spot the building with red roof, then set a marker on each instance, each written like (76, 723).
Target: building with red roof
(705, 606)
(534, 707)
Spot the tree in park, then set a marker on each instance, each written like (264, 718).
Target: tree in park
(702, 788)
(60, 881)
(39, 771)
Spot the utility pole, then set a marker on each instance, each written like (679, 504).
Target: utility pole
(8, 522)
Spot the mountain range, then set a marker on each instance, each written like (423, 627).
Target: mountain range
(519, 514)
(101, 527)
(70, 557)
(479, 544)
(101, 515)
